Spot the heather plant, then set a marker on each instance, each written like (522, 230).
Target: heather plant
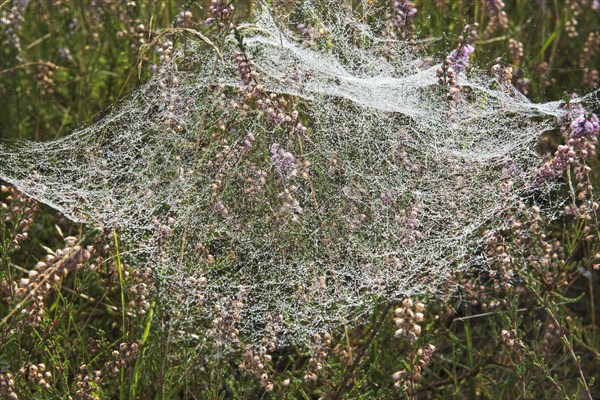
(300, 202)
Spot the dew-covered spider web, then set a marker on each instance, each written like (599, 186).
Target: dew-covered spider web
(383, 190)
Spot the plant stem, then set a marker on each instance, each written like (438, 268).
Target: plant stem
(566, 342)
(359, 355)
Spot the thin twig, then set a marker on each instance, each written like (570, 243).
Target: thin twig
(497, 311)
(360, 353)
(566, 342)
(29, 64)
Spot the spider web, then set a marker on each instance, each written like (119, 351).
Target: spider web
(385, 195)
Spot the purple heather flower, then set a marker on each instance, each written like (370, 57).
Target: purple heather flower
(248, 140)
(405, 11)
(582, 126)
(12, 26)
(220, 10)
(221, 208)
(399, 21)
(554, 168)
(385, 198)
(20, 4)
(283, 162)
(460, 58)
(303, 30)
(184, 18)
(579, 135)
